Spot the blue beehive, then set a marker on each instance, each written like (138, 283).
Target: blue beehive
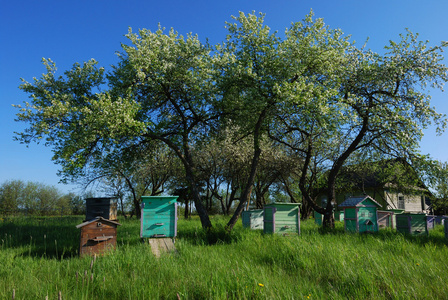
(159, 217)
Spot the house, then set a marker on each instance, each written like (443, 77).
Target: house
(392, 183)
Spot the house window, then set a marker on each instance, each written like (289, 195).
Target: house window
(401, 202)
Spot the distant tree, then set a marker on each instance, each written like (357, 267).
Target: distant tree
(11, 196)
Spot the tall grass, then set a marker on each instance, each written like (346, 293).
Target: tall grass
(39, 258)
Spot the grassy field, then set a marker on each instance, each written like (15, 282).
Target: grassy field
(39, 259)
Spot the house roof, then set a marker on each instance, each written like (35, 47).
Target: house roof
(98, 219)
(357, 201)
(395, 173)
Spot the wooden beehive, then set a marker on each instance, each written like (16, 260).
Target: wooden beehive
(97, 236)
(318, 218)
(101, 207)
(385, 219)
(360, 214)
(283, 218)
(445, 224)
(412, 223)
(159, 217)
(252, 219)
(430, 222)
(339, 215)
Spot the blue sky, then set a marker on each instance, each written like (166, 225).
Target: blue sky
(76, 31)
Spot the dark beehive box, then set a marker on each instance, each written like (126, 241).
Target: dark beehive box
(101, 207)
(97, 236)
(415, 224)
(445, 224)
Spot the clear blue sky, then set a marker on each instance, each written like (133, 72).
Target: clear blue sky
(75, 31)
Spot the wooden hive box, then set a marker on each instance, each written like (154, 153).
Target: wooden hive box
(339, 215)
(445, 225)
(360, 214)
(430, 222)
(283, 218)
(385, 219)
(101, 207)
(159, 217)
(412, 223)
(252, 219)
(318, 218)
(97, 236)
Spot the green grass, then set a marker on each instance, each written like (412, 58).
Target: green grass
(38, 258)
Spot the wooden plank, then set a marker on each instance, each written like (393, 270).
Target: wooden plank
(161, 245)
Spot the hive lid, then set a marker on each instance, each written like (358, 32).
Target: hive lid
(101, 219)
(357, 201)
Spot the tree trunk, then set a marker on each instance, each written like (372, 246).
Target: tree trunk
(247, 190)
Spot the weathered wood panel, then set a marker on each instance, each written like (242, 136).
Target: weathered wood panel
(385, 219)
(97, 236)
(252, 219)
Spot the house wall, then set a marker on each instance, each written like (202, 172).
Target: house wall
(388, 199)
(412, 203)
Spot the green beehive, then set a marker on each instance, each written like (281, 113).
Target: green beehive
(318, 218)
(159, 217)
(253, 219)
(360, 214)
(339, 215)
(412, 223)
(283, 218)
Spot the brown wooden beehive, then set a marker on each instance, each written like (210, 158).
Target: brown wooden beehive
(97, 236)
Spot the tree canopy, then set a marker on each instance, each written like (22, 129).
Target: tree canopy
(315, 93)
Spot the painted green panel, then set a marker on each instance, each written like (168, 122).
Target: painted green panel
(350, 225)
(414, 224)
(253, 219)
(285, 217)
(367, 219)
(350, 213)
(318, 218)
(159, 216)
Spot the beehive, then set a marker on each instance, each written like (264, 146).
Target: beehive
(101, 207)
(385, 219)
(159, 217)
(97, 236)
(412, 223)
(283, 218)
(339, 215)
(360, 214)
(430, 222)
(445, 224)
(252, 219)
(318, 218)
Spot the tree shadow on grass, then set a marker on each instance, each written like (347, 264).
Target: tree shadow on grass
(218, 234)
(49, 237)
